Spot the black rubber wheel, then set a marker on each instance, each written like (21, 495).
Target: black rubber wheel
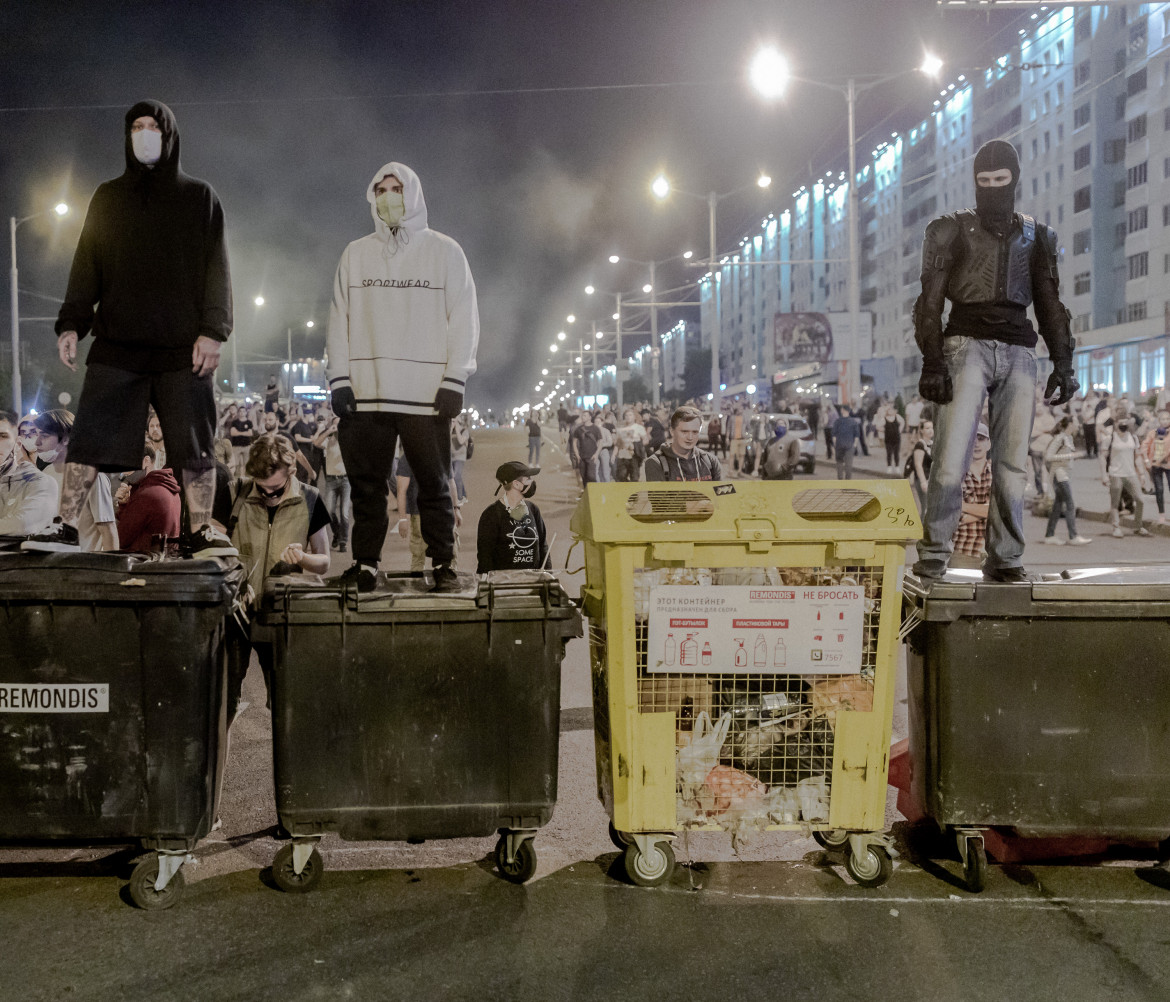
(522, 867)
(648, 869)
(619, 839)
(831, 839)
(975, 869)
(288, 880)
(142, 891)
(872, 869)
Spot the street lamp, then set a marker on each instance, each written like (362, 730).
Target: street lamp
(661, 188)
(61, 209)
(769, 75)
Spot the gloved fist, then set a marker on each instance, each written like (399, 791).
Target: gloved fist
(448, 403)
(1061, 388)
(935, 382)
(343, 401)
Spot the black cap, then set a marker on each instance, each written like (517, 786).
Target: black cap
(514, 471)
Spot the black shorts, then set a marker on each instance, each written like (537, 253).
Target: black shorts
(109, 431)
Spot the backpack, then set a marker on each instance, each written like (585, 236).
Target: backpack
(587, 443)
(908, 466)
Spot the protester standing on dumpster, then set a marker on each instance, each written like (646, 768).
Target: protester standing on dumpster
(992, 263)
(403, 333)
(511, 532)
(150, 282)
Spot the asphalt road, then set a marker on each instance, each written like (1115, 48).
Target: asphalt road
(434, 921)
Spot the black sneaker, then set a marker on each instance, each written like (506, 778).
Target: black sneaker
(59, 537)
(359, 577)
(1006, 575)
(206, 542)
(446, 580)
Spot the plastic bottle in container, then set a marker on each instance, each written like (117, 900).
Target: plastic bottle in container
(707, 652)
(761, 651)
(668, 650)
(689, 652)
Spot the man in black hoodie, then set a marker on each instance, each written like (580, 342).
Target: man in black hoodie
(153, 260)
(680, 459)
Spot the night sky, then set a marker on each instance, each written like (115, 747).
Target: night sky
(287, 109)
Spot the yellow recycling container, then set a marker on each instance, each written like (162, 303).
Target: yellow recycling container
(744, 641)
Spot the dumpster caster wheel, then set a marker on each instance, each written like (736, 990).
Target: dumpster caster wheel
(831, 839)
(142, 891)
(975, 865)
(284, 874)
(651, 867)
(523, 865)
(619, 839)
(871, 868)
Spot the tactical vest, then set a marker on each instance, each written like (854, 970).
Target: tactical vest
(991, 269)
(261, 542)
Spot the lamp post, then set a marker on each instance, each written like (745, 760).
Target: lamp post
(769, 75)
(60, 209)
(661, 188)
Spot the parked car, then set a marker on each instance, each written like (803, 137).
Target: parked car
(762, 429)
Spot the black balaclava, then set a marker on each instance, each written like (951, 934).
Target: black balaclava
(996, 206)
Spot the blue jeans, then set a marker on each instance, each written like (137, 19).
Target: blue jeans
(1063, 504)
(457, 476)
(1006, 375)
(1156, 474)
(336, 498)
(533, 450)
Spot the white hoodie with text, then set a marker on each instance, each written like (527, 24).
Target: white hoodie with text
(404, 320)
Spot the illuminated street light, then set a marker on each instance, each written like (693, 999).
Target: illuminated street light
(561, 335)
(259, 300)
(589, 290)
(61, 209)
(616, 316)
(588, 347)
(647, 287)
(764, 181)
(571, 319)
(310, 323)
(660, 186)
(614, 259)
(931, 65)
(768, 72)
(687, 255)
(544, 372)
(552, 348)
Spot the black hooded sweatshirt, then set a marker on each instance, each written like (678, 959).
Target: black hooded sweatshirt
(153, 260)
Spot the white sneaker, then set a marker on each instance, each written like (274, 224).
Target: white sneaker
(1117, 531)
(1053, 541)
(1079, 541)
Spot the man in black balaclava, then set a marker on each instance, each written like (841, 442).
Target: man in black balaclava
(991, 263)
(153, 260)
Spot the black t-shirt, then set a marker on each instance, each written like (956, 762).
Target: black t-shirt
(240, 432)
(313, 454)
(533, 428)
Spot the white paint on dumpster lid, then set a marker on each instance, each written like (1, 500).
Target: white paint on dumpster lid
(57, 697)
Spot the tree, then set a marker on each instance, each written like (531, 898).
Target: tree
(635, 390)
(697, 373)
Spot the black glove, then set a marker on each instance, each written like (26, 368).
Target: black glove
(449, 403)
(935, 382)
(1064, 385)
(343, 400)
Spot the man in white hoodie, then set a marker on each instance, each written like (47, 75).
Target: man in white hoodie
(403, 333)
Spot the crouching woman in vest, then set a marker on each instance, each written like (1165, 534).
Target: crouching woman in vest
(280, 526)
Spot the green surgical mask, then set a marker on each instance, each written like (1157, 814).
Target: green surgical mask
(391, 208)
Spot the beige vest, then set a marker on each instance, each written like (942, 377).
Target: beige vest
(260, 543)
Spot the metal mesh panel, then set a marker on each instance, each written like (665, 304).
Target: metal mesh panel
(754, 748)
(836, 503)
(670, 506)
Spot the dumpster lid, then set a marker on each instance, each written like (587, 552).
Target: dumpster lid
(1132, 583)
(497, 589)
(118, 576)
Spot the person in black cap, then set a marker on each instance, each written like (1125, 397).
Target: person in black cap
(511, 532)
(991, 263)
(150, 282)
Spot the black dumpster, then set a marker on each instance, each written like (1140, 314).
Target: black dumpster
(1041, 707)
(401, 714)
(112, 703)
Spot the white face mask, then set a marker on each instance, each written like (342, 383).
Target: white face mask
(29, 443)
(49, 457)
(147, 145)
